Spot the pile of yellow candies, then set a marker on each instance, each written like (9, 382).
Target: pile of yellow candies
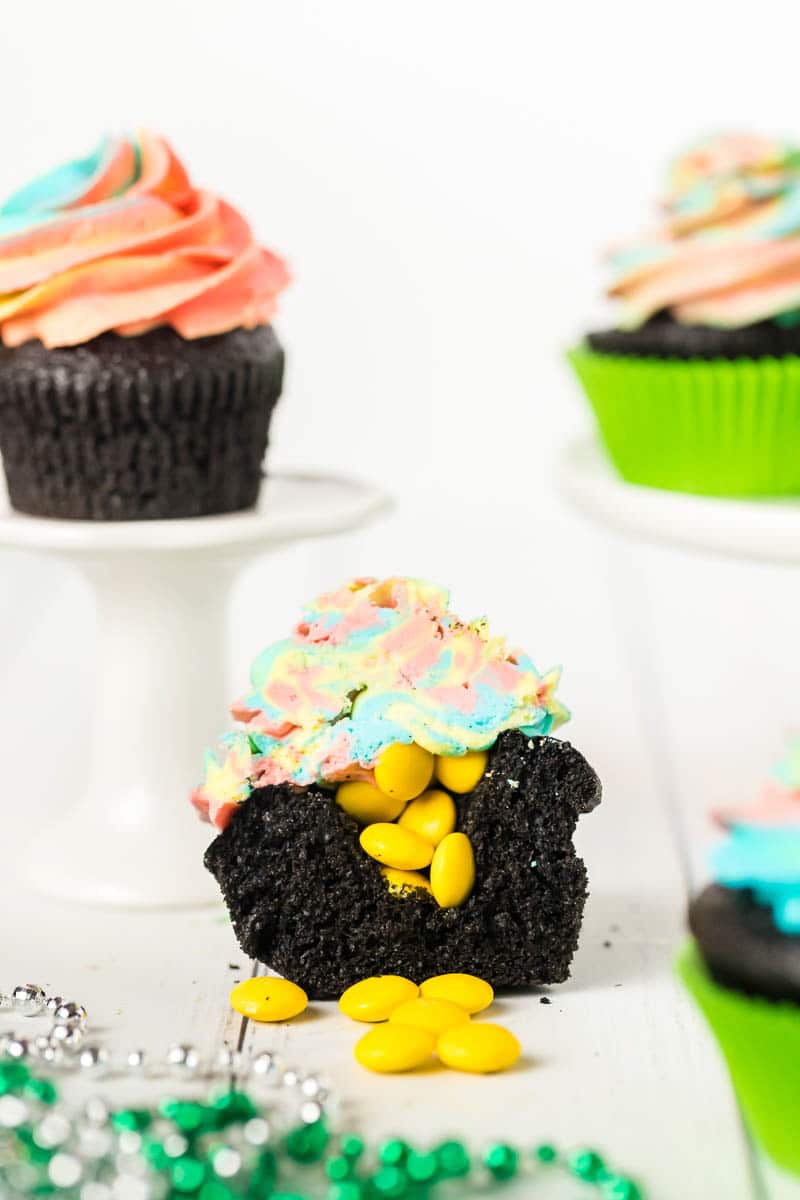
(412, 1024)
(410, 826)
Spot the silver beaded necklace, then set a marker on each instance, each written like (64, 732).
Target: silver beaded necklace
(67, 1034)
(65, 1046)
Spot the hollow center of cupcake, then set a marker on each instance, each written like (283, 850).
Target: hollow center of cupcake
(410, 817)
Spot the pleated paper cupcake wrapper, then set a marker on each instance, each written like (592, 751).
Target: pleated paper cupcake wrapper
(712, 427)
(136, 443)
(760, 1040)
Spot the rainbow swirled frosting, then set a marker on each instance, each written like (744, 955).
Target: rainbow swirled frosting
(369, 665)
(727, 252)
(122, 240)
(761, 850)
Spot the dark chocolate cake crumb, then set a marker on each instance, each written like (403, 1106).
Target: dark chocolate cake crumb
(306, 901)
(741, 945)
(544, 1000)
(138, 428)
(664, 337)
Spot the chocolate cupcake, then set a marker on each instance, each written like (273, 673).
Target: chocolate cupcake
(697, 389)
(743, 963)
(138, 371)
(394, 803)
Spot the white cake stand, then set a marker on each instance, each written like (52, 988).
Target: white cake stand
(762, 530)
(161, 590)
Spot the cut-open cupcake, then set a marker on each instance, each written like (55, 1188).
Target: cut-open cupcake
(393, 802)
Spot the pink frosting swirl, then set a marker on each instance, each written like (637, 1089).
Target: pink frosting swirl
(727, 252)
(124, 241)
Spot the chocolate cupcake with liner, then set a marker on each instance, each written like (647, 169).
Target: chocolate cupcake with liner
(698, 388)
(743, 963)
(138, 370)
(394, 804)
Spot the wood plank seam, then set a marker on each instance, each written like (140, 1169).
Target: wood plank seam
(637, 642)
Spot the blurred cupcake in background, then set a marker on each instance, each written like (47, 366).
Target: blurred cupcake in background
(698, 387)
(743, 963)
(138, 368)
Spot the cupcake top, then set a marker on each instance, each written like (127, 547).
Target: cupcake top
(122, 240)
(369, 666)
(726, 252)
(761, 848)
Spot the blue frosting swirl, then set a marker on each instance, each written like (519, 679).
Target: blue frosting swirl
(761, 849)
(767, 861)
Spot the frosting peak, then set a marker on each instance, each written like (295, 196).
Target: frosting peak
(369, 665)
(727, 252)
(121, 240)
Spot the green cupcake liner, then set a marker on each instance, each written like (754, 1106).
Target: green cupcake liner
(760, 1040)
(714, 427)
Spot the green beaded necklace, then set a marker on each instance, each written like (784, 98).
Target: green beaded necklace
(232, 1148)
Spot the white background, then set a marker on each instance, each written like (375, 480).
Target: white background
(441, 177)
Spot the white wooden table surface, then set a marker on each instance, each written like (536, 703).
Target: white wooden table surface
(619, 1059)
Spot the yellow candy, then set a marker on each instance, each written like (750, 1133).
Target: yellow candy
(452, 870)
(461, 772)
(392, 1048)
(267, 999)
(374, 999)
(403, 770)
(400, 881)
(396, 847)
(434, 1015)
(478, 1047)
(432, 815)
(468, 991)
(367, 803)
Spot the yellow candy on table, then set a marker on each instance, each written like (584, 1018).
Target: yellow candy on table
(389, 1049)
(399, 881)
(434, 1015)
(468, 991)
(396, 847)
(268, 999)
(432, 815)
(461, 772)
(403, 770)
(374, 999)
(479, 1048)
(453, 871)
(367, 803)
